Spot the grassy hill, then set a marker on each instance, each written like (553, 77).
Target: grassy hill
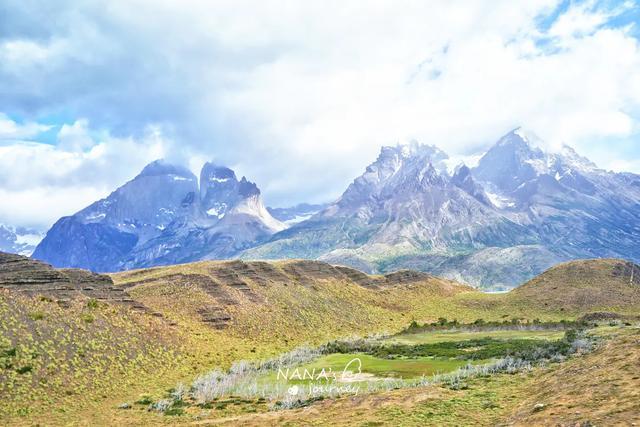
(258, 309)
(586, 285)
(151, 328)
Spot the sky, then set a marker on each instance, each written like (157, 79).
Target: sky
(298, 96)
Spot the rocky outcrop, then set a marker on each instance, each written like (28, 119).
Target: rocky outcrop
(35, 278)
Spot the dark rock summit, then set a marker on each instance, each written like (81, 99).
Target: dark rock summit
(162, 216)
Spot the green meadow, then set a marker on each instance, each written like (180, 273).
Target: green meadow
(345, 367)
(461, 335)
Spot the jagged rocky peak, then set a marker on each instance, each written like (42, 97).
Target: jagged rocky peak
(516, 163)
(463, 179)
(411, 152)
(226, 198)
(161, 167)
(100, 236)
(412, 164)
(518, 144)
(461, 172)
(221, 191)
(162, 216)
(216, 174)
(526, 147)
(571, 159)
(155, 197)
(248, 188)
(520, 136)
(249, 202)
(513, 160)
(215, 179)
(218, 189)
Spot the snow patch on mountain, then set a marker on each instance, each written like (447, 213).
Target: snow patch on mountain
(499, 201)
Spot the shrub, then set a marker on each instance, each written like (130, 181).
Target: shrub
(174, 411)
(88, 318)
(10, 352)
(24, 369)
(161, 405)
(144, 400)
(36, 315)
(178, 393)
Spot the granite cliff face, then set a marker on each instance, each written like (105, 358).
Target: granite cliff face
(162, 216)
(518, 212)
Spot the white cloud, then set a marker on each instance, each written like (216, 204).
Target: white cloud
(40, 207)
(20, 54)
(75, 137)
(331, 114)
(299, 96)
(44, 182)
(622, 165)
(583, 18)
(10, 130)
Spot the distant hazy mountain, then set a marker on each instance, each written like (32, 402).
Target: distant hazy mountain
(518, 212)
(297, 213)
(19, 240)
(162, 216)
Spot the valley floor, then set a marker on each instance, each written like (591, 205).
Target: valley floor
(601, 388)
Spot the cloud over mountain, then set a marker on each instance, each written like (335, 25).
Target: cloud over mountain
(283, 91)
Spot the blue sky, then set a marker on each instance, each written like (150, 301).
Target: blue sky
(298, 96)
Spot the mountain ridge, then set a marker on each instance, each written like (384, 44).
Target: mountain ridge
(520, 204)
(520, 210)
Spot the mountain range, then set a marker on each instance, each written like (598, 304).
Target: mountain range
(516, 213)
(19, 240)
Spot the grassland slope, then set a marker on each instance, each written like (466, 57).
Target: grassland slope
(68, 359)
(599, 284)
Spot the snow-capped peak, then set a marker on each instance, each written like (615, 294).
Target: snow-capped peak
(19, 240)
(528, 136)
(574, 160)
